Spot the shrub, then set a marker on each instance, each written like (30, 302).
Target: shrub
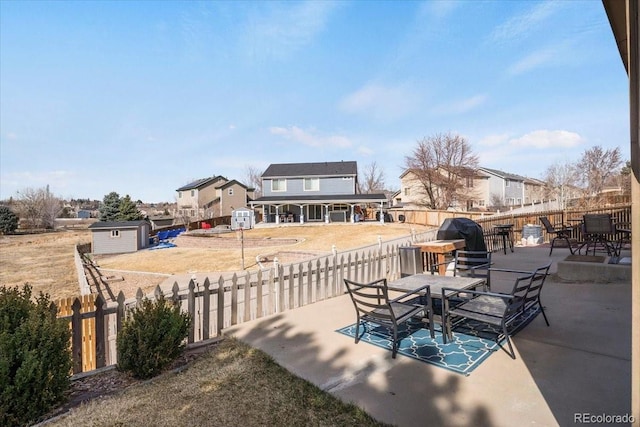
(152, 337)
(8, 220)
(35, 356)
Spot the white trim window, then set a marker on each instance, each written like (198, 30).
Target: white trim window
(278, 184)
(115, 234)
(230, 191)
(312, 184)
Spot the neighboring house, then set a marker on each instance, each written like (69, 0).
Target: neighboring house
(506, 189)
(487, 188)
(211, 197)
(324, 191)
(115, 237)
(534, 191)
(83, 214)
(412, 194)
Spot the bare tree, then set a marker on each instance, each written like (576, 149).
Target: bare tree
(39, 207)
(442, 163)
(373, 179)
(595, 167)
(253, 178)
(560, 179)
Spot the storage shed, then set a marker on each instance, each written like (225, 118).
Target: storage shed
(242, 218)
(116, 237)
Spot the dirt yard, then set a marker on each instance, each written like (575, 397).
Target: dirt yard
(46, 260)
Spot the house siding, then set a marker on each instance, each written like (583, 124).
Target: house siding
(230, 202)
(130, 240)
(328, 186)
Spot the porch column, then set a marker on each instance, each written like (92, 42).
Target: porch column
(277, 214)
(633, 70)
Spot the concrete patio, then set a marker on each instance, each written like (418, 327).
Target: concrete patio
(580, 366)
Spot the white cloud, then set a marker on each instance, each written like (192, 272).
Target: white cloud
(548, 138)
(380, 101)
(494, 140)
(463, 106)
(310, 138)
(520, 26)
(283, 30)
(365, 151)
(533, 60)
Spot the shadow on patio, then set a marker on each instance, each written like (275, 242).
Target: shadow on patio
(580, 364)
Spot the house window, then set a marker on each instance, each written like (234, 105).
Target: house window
(312, 184)
(115, 233)
(230, 191)
(279, 184)
(407, 191)
(180, 195)
(193, 193)
(469, 182)
(506, 183)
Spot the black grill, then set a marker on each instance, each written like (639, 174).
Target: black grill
(463, 228)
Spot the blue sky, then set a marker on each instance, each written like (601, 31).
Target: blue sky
(143, 97)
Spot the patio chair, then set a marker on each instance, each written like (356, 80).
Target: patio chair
(532, 299)
(473, 264)
(562, 232)
(469, 264)
(496, 309)
(597, 228)
(372, 304)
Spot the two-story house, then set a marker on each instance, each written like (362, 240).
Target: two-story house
(470, 195)
(505, 189)
(211, 197)
(323, 191)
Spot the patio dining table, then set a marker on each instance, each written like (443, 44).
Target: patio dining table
(435, 283)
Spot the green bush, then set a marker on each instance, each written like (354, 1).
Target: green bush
(35, 356)
(8, 220)
(152, 337)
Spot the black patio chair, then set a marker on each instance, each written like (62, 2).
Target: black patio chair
(497, 309)
(598, 229)
(470, 264)
(562, 232)
(372, 304)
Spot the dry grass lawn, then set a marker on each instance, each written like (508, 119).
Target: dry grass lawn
(46, 260)
(231, 385)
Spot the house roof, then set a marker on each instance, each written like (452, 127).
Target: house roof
(118, 224)
(201, 183)
(501, 174)
(231, 183)
(311, 169)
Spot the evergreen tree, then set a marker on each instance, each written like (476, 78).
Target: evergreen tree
(128, 211)
(8, 220)
(110, 207)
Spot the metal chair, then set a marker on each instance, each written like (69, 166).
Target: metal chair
(473, 264)
(498, 309)
(372, 304)
(597, 228)
(563, 232)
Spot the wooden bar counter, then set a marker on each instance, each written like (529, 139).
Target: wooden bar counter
(440, 248)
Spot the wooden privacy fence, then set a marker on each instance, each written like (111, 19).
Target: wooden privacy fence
(224, 301)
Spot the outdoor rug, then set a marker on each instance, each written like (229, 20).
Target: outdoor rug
(472, 342)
